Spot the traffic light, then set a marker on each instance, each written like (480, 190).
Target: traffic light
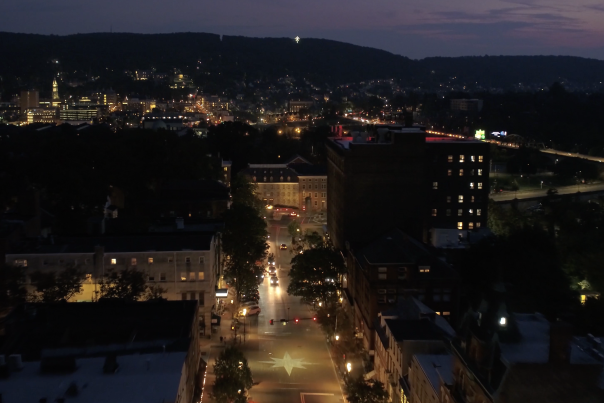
(297, 320)
(271, 321)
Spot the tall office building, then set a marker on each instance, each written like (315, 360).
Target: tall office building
(30, 99)
(402, 177)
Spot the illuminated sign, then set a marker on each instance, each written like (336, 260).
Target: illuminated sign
(480, 134)
(499, 134)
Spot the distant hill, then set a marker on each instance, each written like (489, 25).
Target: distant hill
(28, 57)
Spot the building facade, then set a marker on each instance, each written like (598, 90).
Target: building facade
(185, 266)
(466, 105)
(29, 99)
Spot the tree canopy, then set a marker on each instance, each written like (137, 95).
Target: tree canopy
(360, 390)
(233, 377)
(55, 287)
(128, 284)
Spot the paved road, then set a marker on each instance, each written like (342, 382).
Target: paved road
(528, 194)
(289, 363)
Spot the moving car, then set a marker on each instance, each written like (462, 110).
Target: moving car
(274, 280)
(250, 310)
(283, 246)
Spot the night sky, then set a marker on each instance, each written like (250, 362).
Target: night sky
(413, 28)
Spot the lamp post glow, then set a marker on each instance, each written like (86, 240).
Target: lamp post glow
(349, 367)
(297, 39)
(244, 312)
(337, 337)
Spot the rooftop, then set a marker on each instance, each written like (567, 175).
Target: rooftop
(140, 378)
(436, 367)
(413, 329)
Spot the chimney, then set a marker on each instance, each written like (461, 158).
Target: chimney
(560, 336)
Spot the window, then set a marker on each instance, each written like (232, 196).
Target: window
(471, 199)
(192, 276)
(21, 262)
(270, 179)
(449, 172)
(303, 186)
(162, 276)
(448, 199)
(470, 211)
(470, 225)
(460, 199)
(447, 314)
(478, 211)
(113, 261)
(150, 260)
(450, 158)
(289, 179)
(151, 277)
(479, 185)
(382, 269)
(225, 169)
(472, 158)
(170, 259)
(382, 276)
(323, 186)
(184, 296)
(477, 225)
(201, 276)
(187, 259)
(201, 260)
(471, 172)
(316, 194)
(479, 172)
(254, 178)
(264, 178)
(459, 212)
(434, 185)
(461, 172)
(133, 261)
(324, 194)
(459, 225)
(471, 185)
(201, 298)
(480, 158)
(316, 203)
(434, 212)
(448, 212)
(461, 158)
(183, 276)
(281, 178)
(424, 269)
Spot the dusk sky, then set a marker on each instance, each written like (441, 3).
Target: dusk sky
(413, 28)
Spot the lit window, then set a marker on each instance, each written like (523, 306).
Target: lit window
(449, 172)
(459, 225)
(459, 212)
(460, 199)
(433, 212)
(448, 199)
(480, 158)
(424, 269)
(289, 179)
(21, 262)
(281, 178)
(471, 185)
(479, 185)
(150, 260)
(448, 212)
(226, 169)
(183, 276)
(478, 211)
(470, 225)
(470, 211)
(446, 313)
(113, 261)
(434, 185)
(472, 158)
(450, 158)
(477, 225)
(471, 199)
(192, 276)
(461, 158)
(479, 172)
(187, 259)
(503, 321)
(461, 172)
(133, 261)
(201, 276)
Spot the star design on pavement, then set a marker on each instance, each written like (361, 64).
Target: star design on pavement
(287, 363)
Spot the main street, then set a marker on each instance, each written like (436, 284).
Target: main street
(290, 362)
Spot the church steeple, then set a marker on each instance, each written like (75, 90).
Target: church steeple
(55, 93)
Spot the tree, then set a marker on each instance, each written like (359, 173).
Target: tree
(310, 240)
(362, 391)
(12, 291)
(315, 275)
(233, 377)
(244, 192)
(155, 292)
(128, 284)
(51, 287)
(244, 243)
(293, 229)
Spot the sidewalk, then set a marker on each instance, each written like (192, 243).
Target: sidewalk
(211, 347)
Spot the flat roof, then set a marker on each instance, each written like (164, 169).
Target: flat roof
(436, 367)
(140, 378)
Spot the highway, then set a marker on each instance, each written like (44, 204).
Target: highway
(528, 194)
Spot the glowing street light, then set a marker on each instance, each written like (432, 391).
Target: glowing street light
(297, 39)
(349, 367)
(337, 337)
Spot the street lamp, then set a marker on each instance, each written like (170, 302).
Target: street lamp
(337, 337)
(244, 312)
(349, 367)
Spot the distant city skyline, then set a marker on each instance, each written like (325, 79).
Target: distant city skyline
(413, 28)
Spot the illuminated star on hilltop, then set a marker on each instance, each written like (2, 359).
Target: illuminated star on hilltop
(297, 39)
(287, 363)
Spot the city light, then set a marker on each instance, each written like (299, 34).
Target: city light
(337, 337)
(349, 366)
